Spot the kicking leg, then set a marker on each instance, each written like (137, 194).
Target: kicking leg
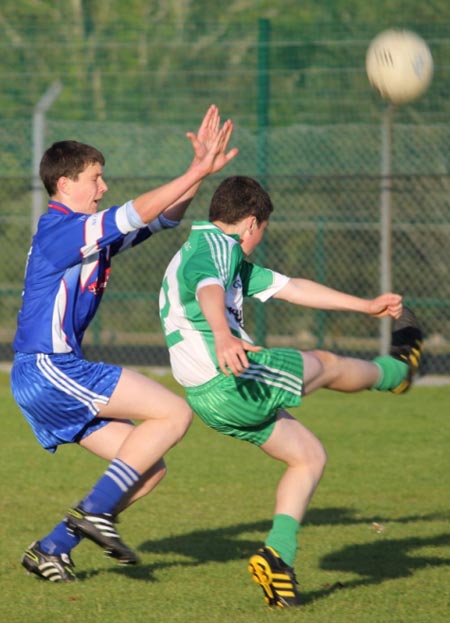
(394, 372)
(331, 371)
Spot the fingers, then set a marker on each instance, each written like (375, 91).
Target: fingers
(251, 347)
(210, 123)
(210, 137)
(388, 304)
(211, 142)
(193, 138)
(226, 132)
(393, 305)
(235, 360)
(209, 116)
(223, 139)
(235, 363)
(214, 120)
(223, 135)
(231, 154)
(395, 311)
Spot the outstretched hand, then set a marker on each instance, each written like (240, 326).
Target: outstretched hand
(211, 142)
(387, 304)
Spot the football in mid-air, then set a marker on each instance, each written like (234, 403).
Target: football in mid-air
(399, 65)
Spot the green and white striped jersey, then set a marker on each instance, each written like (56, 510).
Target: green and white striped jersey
(209, 256)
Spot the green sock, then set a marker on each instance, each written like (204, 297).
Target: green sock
(393, 372)
(283, 537)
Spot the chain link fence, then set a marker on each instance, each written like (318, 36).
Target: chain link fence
(326, 226)
(323, 173)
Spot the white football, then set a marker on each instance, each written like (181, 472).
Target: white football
(399, 65)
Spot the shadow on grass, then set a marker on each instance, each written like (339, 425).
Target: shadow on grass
(380, 561)
(213, 545)
(376, 562)
(348, 516)
(197, 548)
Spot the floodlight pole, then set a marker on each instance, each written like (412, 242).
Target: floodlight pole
(39, 113)
(386, 221)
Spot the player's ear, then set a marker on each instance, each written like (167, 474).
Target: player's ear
(252, 224)
(63, 185)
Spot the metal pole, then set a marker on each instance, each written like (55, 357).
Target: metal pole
(262, 162)
(386, 221)
(38, 147)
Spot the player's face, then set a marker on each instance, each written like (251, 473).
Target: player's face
(253, 237)
(88, 189)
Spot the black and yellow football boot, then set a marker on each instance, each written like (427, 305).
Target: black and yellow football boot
(406, 346)
(276, 578)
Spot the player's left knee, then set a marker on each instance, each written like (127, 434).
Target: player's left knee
(331, 364)
(328, 359)
(181, 422)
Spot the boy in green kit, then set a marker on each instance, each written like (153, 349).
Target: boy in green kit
(243, 390)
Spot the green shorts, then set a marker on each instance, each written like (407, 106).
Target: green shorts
(246, 406)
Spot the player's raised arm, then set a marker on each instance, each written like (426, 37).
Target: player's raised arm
(210, 146)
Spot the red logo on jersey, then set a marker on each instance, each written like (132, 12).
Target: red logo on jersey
(97, 287)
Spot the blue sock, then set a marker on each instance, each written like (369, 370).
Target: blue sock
(118, 479)
(60, 541)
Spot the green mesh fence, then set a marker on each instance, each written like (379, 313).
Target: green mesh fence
(307, 126)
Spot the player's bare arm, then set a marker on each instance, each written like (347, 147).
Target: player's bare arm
(312, 294)
(230, 350)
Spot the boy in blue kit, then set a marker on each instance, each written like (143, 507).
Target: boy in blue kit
(67, 399)
(242, 390)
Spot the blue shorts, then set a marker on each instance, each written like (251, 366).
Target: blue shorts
(59, 395)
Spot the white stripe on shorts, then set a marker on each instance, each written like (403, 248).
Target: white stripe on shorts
(275, 377)
(67, 385)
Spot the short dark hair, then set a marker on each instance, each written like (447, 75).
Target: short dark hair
(238, 197)
(66, 159)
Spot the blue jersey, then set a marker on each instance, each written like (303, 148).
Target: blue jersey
(67, 272)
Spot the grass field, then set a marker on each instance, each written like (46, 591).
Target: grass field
(374, 547)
